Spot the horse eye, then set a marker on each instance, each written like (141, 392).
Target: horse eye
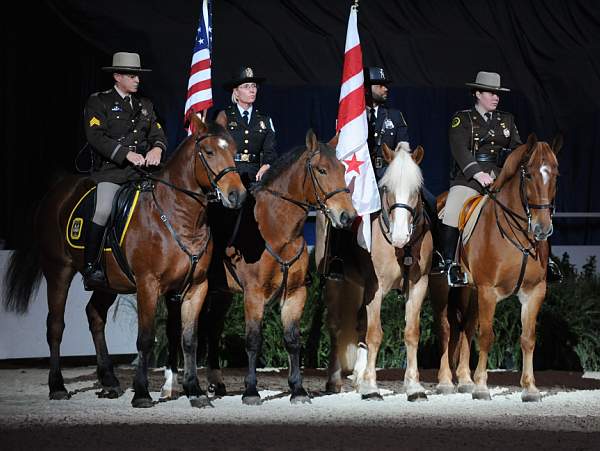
(209, 151)
(528, 176)
(321, 171)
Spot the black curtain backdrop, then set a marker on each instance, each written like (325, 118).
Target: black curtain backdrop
(548, 52)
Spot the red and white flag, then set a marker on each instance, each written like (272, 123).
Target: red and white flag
(352, 126)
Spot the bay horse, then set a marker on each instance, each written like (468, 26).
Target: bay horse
(307, 178)
(506, 254)
(400, 259)
(168, 247)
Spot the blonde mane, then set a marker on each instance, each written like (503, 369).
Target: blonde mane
(403, 175)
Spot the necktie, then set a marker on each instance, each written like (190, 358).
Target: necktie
(372, 117)
(246, 117)
(488, 116)
(127, 100)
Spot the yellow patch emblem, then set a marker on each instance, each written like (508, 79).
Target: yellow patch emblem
(455, 122)
(94, 121)
(158, 125)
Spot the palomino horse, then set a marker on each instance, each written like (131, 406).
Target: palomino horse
(400, 259)
(506, 254)
(310, 177)
(168, 248)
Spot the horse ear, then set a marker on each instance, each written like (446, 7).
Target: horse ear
(311, 140)
(557, 143)
(418, 154)
(222, 119)
(388, 154)
(333, 142)
(196, 124)
(531, 142)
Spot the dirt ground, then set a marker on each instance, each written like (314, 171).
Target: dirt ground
(567, 418)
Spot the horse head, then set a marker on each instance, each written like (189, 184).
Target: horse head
(327, 174)
(401, 192)
(214, 168)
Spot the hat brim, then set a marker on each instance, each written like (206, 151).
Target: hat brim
(231, 85)
(125, 70)
(487, 88)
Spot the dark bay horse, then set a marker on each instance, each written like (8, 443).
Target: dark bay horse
(400, 259)
(506, 254)
(310, 177)
(168, 246)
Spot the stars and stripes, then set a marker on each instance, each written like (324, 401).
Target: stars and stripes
(199, 95)
(352, 126)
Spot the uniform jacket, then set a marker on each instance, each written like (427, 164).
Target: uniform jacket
(476, 144)
(111, 127)
(389, 128)
(255, 141)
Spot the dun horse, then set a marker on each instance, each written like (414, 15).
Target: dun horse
(168, 247)
(400, 259)
(506, 254)
(310, 177)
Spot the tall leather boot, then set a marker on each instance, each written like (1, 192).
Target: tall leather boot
(553, 273)
(437, 259)
(93, 275)
(456, 277)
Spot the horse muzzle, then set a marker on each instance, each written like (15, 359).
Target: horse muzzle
(342, 219)
(541, 234)
(234, 199)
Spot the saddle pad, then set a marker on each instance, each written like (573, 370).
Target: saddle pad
(81, 215)
(469, 215)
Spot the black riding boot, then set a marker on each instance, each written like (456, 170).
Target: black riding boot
(335, 264)
(456, 277)
(553, 272)
(93, 275)
(437, 260)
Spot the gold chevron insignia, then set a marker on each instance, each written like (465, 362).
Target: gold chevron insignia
(94, 121)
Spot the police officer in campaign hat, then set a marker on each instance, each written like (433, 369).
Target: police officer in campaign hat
(123, 132)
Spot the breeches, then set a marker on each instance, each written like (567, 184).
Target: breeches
(105, 193)
(457, 197)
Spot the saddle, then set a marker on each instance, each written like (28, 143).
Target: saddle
(469, 215)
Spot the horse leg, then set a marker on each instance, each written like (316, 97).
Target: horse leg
(530, 307)
(58, 281)
(190, 310)
(334, 325)
(367, 384)
(96, 311)
(414, 390)
(439, 301)
(487, 306)
(291, 312)
(254, 307)
(147, 299)
(360, 362)
(219, 306)
(468, 325)
(173, 330)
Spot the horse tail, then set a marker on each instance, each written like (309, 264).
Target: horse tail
(22, 279)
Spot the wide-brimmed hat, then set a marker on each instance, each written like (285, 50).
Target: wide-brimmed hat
(124, 62)
(242, 75)
(487, 81)
(376, 76)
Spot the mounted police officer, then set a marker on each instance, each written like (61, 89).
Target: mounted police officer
(123, 132)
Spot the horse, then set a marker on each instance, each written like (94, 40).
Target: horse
(309, 177)
(168, 247)
(506, 254)
(400, 259)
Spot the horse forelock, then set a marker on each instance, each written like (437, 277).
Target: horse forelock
(403, 175)
(543, 156)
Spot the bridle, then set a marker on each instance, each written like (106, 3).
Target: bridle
(212, 176)
(387, 210)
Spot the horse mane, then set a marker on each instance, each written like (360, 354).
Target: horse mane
(213, 128)
(403, 174)
(517, 157)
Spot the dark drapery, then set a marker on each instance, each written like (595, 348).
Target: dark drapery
(548, 52)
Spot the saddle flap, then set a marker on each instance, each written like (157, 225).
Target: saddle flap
(468, 208)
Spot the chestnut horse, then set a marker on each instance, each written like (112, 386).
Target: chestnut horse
(506, 254)
(167, 245)
(310, 177)
(400, 259)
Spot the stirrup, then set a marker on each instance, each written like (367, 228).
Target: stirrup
(440, 267)
(456, 276)
(93, 278)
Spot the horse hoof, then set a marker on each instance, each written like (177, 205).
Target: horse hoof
(142, 403)
(417, 396)
(466, 388)
(375, 396)
(59, 395)
(531, 396)
(332, 389)
(482, 394)
(217, 390)
(444, 389)
(300, 399)
(110, 392)
(200, 402)
(251, 400)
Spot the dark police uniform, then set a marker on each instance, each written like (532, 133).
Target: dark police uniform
(255, 141)
(114, 128)
(388, 128)
(480, 145)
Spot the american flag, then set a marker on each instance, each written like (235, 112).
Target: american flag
(199, 95)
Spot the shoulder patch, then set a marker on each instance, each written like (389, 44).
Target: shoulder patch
(94, 121)
(158, 125)
(455, 121)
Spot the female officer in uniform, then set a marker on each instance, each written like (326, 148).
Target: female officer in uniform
(477, 138)
(123, 132)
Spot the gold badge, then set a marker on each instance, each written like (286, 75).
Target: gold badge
(455, 122)
(94, 121)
